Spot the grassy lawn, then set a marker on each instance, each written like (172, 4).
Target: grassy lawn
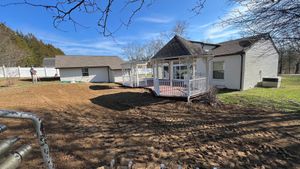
(285, 98)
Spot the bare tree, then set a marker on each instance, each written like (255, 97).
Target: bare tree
(67, 10)
(180, 28)
(135, 51)
(144, 51)
(279, 18)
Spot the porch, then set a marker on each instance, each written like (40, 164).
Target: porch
(177, 77)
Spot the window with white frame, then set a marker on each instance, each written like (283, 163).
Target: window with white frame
(166, 72)
(179, 71)
(218, 70)
(85, 71)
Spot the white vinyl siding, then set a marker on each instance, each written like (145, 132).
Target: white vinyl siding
(76, 74)
(232, 72)
(261, 60)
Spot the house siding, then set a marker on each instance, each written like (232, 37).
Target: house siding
(75, 74)
(261, 60)
(115, 76)
(232, 72)
(201, 67)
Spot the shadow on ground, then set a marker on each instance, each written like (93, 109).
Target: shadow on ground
(137, 126)
(43, 79)
(125, 100)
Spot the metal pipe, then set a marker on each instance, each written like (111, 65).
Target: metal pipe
(14, 160)
(2, 128)
(39, 131)
(5, 145)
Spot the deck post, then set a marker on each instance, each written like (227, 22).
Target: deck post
(171, 73)
(137, 75)
(189, 90)
(156, 79)
(156, 86)
(207, 74)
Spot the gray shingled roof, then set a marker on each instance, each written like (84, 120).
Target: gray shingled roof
(49, 62)
(63, 61)
(178, 46)
(237, 46)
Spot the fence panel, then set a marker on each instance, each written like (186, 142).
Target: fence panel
(24, 72)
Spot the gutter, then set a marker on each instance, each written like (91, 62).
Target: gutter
(242, 71)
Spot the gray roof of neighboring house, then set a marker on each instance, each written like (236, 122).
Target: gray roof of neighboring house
(65, 61)
(179, 46)
(49, 62)
(237, 46)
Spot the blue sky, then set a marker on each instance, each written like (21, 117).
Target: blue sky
(161, 16)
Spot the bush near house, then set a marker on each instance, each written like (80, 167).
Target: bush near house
(285, 98)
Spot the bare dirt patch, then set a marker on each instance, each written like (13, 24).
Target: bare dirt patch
(90, 124)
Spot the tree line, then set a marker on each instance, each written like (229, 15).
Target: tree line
(18, 49)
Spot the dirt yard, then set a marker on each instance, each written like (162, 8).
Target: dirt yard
(88, 125)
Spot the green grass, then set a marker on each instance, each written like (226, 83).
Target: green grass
(285, 98)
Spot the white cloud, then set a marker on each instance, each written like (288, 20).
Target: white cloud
(95, 46)
(159, 20)
(200, 27)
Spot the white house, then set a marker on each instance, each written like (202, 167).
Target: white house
(89, 68)
(187, 68)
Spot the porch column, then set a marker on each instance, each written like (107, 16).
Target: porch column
(156, 80)
(207, 73)
(194, 68)
(137, 75)
(171, 73)
(189, 85)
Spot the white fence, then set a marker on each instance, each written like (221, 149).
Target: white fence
(24, 72)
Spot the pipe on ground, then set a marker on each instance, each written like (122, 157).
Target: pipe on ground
(2, 128)
(6, 144)
(14, 160)
(39, 131)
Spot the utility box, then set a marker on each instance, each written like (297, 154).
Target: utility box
(271, 82)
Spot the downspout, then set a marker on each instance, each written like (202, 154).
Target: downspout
(108, 68)
(242, 71)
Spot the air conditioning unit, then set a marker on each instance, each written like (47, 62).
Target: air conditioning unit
(271, 82)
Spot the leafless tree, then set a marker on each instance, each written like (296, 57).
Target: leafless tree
(180, 28)
(67, 10)
(136, 51)
(279, 18)
(144, 51)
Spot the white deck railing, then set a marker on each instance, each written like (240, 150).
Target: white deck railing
(180, 88)
(197, 86)
(170, 88)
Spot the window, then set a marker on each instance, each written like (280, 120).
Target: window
(218, 70)
(179, 71)
(166, 72)
(85, 71)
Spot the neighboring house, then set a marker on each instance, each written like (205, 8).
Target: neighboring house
(89, 68)
(49, 62)
(186, 68)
